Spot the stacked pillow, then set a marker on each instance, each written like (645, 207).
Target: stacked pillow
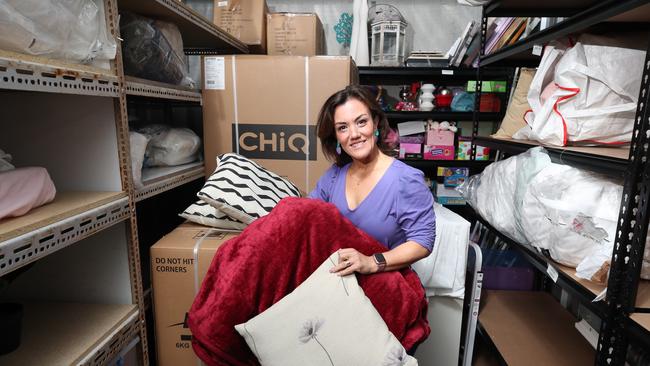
(237, 193)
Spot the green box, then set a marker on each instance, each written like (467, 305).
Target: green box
(489, 86)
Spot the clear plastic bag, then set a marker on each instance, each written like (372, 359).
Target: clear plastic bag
(72, 30)
(153, 50)
(173, 146)
(497, 193)
(139, 143)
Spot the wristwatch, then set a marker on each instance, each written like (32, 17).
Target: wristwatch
(380, 260)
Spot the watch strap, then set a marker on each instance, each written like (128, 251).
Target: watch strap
(380, 260)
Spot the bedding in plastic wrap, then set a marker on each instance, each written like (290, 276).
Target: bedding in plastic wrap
(573, 214)
(570, 212)
(582, 95)
(72, 30)
(153, 50)
(23, 189)
(170, 146)
(497, 193)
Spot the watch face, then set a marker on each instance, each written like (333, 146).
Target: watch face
(379, 258)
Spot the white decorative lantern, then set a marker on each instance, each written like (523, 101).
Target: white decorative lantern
(388, 29)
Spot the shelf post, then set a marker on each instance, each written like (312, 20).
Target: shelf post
(630, 237)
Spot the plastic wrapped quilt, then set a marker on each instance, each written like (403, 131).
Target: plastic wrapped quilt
(153, 50)
(570, 212)
(497, 193)
(73, 30)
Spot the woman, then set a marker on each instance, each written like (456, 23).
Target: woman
(380, 195)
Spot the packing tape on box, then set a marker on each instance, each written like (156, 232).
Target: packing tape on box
(307, 121)
(195, 253)
(236, 108)
(234, 98)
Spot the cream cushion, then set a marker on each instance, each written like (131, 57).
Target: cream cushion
(513, 121)
(327, 320)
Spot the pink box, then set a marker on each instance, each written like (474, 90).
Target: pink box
(438, 152)
(440, 145)
(440, 138)
(409, 148)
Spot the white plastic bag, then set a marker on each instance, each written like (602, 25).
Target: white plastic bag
(73, 30)
(596, 96)
(174, 146)
(138, 147)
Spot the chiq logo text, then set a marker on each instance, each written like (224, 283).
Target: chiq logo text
(286, 142)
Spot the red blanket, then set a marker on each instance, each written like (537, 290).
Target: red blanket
(274, 255)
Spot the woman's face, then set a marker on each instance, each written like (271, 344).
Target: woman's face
(355, 129)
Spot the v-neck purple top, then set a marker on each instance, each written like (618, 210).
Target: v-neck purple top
(399, 208)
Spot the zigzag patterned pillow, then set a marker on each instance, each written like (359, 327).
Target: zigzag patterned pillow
(243, 190)
(204, 214)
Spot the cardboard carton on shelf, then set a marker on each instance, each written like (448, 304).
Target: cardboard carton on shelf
(173, 267)
(266, 108)
(245, 20)
(297, 34)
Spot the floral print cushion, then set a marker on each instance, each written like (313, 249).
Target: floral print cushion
(327, 320)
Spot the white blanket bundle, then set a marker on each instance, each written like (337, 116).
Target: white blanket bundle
(570, 212)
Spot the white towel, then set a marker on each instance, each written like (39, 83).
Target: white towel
(443, 272)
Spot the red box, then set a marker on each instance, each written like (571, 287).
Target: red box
(438, 152)
(490, 103)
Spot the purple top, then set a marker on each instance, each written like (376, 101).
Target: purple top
(399, 208)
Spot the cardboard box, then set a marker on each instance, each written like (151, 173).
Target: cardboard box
(440, 145)
(448, 196)
(273, 118)
(453, 177)
(409, 150)
(297, 34)
(173, 266)
(245, 20)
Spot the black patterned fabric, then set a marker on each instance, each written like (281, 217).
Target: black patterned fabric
(204, 214)
(244, 190)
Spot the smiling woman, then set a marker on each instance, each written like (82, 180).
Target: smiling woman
(380, 195)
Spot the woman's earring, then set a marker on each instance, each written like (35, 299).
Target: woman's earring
(376, 133)
(338, 147)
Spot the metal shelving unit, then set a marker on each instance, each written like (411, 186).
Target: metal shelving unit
(606, 160)
(567, 279)
(32, 73)
(441, 116)
(161, 179)
(93, 332)
(581, 15)
(198, 32)
(626, 293)
(153, 89)
(71, 217)
(532, 328)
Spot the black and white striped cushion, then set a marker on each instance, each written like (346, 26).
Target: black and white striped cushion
(204, 214)
(243, 190)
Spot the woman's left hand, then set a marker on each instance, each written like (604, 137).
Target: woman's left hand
(350, 261)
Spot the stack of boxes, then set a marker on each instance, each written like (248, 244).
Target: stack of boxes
(263, 106)
(298, 34)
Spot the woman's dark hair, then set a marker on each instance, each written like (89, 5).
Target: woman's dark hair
(325, 126)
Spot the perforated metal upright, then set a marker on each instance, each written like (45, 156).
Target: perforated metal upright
(631, 233)
(124, 151)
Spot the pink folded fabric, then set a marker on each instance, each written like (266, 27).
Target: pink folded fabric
(23, 189)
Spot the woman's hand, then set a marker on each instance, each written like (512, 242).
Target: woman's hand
(350, 261)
